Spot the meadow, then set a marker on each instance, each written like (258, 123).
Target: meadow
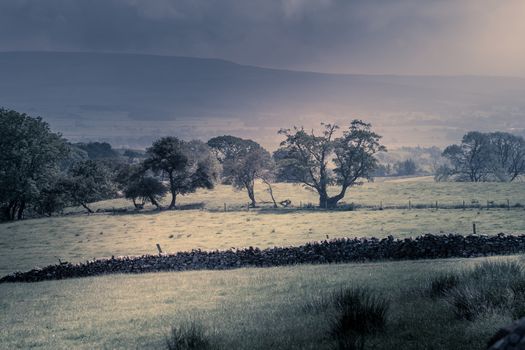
(79, 237)
(248, 308)
(239, 309)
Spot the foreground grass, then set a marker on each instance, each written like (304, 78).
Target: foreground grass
(241, 309)
(41, 242)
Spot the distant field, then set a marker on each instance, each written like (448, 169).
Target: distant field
(243, 309)
(394, 191)
(39, 242)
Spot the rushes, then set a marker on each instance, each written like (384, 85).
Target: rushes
(488, 287)
(190, 336)
(359, 314)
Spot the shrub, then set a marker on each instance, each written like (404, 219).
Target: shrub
(360, 314)
(188, 337)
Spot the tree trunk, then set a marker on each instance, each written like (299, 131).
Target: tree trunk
(173, 192)
(270, 191)
(154, 202)
(173, 200)
(21, 209)
(10, 210)
(87, 208)
(332, 201)
(251, 194)
(323, 199)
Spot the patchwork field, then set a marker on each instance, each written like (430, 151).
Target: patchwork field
(78, 237)
(239, 309)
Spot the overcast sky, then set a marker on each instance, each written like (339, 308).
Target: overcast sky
(351, 36)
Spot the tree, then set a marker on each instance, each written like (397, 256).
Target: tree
(88, 181)
(98, 150)
(507, 155)
(145, 188)
(29, 161)
(243, 161)
(470, 160)
(319, 161)
(188, 165)
(53, 198)
(406, 167)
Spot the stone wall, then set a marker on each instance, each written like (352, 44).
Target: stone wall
(326, 252)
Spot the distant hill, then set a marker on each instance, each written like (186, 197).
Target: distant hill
(129, 100)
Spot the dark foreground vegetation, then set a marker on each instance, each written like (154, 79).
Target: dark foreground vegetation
(326, 252)
(360, 318)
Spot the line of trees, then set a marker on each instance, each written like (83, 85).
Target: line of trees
(496, 156)
(41, 172)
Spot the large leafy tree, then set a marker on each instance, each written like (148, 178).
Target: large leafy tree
(243, 161)
(187, 165)
(319, 161)
(88, 181)
(29, 161)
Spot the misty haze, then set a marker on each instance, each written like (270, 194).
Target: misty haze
(288, 174)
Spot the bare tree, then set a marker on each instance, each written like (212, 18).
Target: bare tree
(497, 156)
(470, 161)
(508, 155)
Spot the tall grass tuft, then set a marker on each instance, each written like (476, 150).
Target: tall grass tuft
(488, 287)
(360, 314)
(190, 336)
(440, 285)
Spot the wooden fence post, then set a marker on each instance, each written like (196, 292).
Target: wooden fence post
(474, 228)
(159, 249)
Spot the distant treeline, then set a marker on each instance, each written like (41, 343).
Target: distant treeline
(41, 173)
(495, 156)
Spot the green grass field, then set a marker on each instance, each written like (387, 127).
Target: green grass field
(242, 309)
(246, 308)
(39, 242)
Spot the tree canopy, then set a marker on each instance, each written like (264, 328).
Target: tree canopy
(29, 161)
(243, 162)
(497, 156)
(187, 165)
(319, 161)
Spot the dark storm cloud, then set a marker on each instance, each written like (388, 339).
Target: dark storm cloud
(404, 36)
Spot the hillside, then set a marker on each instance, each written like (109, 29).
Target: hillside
(131, 99)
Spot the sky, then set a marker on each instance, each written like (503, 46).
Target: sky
(431, 37)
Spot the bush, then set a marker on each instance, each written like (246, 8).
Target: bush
(360, 314)
(188, 337)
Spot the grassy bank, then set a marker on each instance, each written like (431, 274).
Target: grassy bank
(241, 309)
